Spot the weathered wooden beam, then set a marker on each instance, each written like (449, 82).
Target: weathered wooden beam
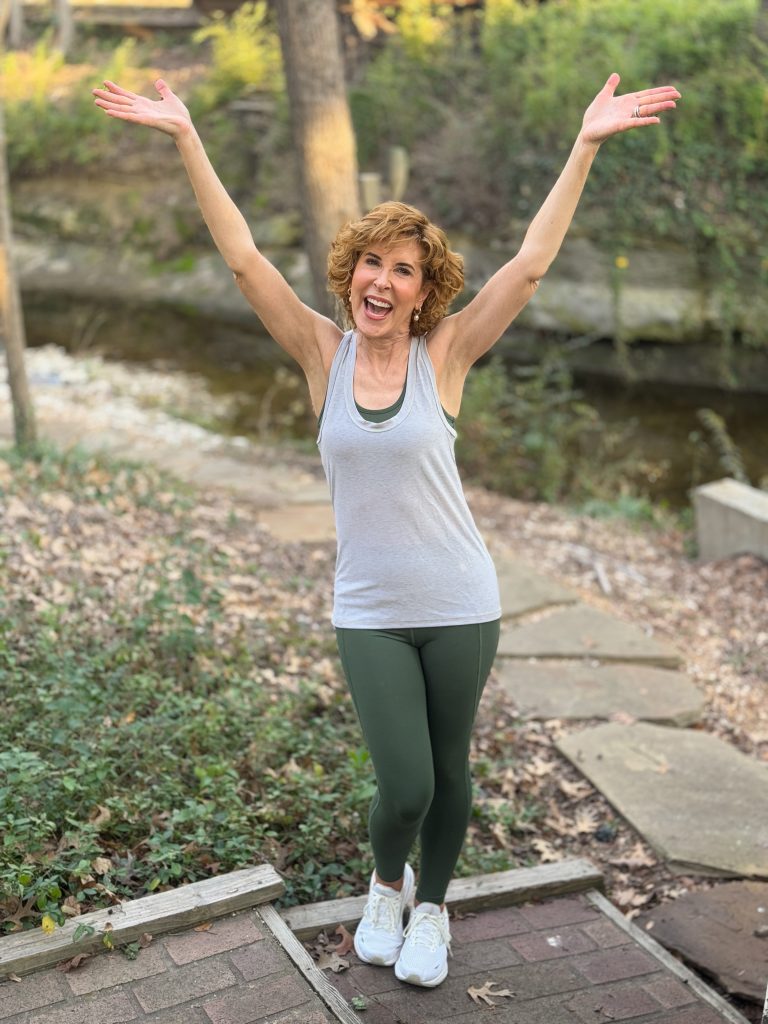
(161, 912)
(145, 17)
(691, 980)
(327, 992)
(480, 892)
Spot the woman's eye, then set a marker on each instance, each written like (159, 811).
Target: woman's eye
(371, 261)
(404, 270)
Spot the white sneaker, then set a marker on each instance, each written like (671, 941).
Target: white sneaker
(379, 936)
(423, 959)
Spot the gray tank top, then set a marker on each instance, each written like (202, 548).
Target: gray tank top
(409, 553)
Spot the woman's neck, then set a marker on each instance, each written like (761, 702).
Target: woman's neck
(383, 354)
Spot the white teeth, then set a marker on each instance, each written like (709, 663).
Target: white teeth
(379, 305)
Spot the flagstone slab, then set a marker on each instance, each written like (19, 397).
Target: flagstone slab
(586, 632)
(582, 689)
(524, 590)
(699, 802)
(723, 932)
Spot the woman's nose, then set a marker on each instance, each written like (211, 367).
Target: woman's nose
(382, 278)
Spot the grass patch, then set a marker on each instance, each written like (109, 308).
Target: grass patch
(172, 705)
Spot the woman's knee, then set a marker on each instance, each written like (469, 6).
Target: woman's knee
(408, 806)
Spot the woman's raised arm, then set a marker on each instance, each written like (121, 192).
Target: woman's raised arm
(468, 334)
(302, 332)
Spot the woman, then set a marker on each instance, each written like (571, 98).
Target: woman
(416, 604)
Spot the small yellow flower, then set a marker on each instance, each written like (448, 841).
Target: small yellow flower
(621, 262)
(48, 924)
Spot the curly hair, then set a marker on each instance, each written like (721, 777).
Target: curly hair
(387, 225)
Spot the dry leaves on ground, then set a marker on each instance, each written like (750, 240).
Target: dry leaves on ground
(329, 956)
(486, 991)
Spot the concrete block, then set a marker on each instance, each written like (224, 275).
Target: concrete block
(731, 519)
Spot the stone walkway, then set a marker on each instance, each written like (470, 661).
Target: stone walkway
(558, 657)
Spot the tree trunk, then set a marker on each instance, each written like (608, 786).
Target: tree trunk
(322, 128)
(65, 26)
(11, 319)
(16, 25)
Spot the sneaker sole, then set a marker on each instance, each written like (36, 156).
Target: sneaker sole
(376, 961)
(414, 979)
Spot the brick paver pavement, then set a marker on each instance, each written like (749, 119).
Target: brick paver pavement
(562, 959)
(235, 972)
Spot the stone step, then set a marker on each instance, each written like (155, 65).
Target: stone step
(699, 802)
(586, 632)
(585, 689)
(524, 590)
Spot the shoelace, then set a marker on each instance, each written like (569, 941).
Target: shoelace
(431, 937)
(387, 906)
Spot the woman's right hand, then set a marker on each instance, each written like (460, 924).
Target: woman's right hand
(168, 114)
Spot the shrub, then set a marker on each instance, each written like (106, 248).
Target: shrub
(527, 432)
(50, 115)
(245, 55)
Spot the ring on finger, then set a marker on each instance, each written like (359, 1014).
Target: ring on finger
(636, 111)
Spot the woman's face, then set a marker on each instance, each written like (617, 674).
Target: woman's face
(387, 285)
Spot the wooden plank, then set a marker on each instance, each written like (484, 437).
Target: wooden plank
(642, 938)
(102, 14)
(332, 998)
(161, 912)
(480, 892)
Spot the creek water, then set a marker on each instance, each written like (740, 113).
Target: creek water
(666, 451)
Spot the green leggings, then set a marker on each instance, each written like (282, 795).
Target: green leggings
(416, 693)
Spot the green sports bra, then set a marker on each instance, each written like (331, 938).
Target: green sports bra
(380, 415)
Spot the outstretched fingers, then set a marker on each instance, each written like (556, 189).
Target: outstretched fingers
(646, 109)
(118, 90)
(657, 93)
(103, 96)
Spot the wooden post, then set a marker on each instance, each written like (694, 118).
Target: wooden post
(11, 318)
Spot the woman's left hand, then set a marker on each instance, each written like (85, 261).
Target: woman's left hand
(608, 114)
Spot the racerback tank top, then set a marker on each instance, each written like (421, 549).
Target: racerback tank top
(409, 553)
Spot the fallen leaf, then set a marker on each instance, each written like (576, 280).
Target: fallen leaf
(630, 897)
(635, 858)
(546, 851)
(539, 767)
(71, 907)
(70, 965)
(101, 865)
(347, 942)
(574, 790)
(500, 834)
(145, 940)
(203, 927)
(102, 815)
(14, 977)
(48, 924)
(587, 821)
(333, 961)
(485, 991)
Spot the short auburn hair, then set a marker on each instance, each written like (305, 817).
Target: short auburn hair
(387, 225)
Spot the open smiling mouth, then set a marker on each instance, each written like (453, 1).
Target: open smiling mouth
(377, 308)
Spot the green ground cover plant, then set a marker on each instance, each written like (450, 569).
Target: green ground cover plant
(172, 706)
